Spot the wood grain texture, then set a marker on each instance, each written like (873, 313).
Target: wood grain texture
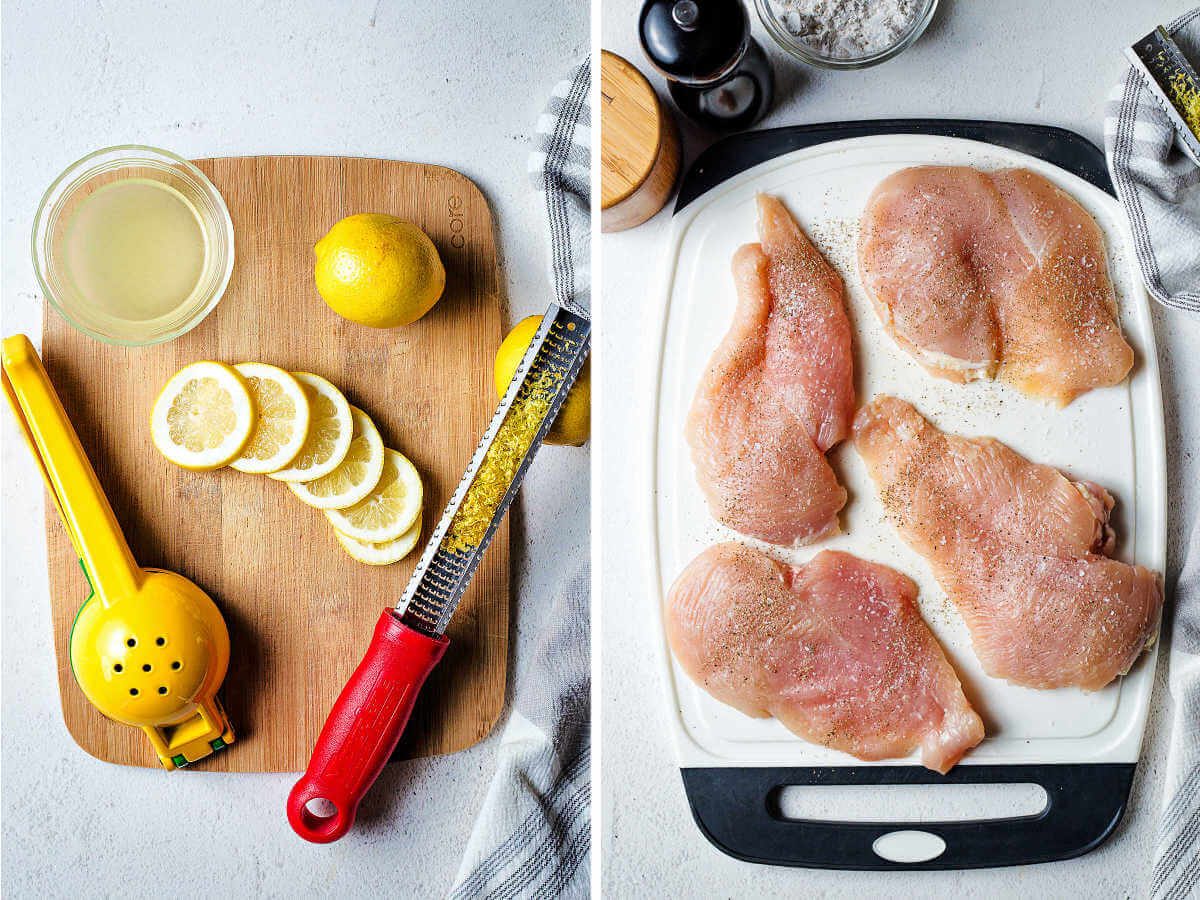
(300, 611)
(639, 147)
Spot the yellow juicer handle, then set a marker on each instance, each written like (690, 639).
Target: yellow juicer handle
(194, 738)
(69, 475)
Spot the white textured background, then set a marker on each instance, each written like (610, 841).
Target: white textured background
(1023, 60)
(455, 84)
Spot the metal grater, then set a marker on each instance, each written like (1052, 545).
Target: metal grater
(1161, 64)
(553, 361)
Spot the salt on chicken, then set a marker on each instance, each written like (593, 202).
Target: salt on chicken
(1023, 551)
(778, 392)
(993, 275)
(835, 649)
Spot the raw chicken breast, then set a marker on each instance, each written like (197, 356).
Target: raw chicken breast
(778, 391)
(808, 353)
(1021, 550)
(836, 650)
(984, 275)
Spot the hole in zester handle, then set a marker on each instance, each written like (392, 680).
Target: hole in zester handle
(320, 808)
(320, 816)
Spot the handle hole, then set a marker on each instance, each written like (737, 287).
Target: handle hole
(320, 815)
(316, 819)
(915, 803)
(321, 809)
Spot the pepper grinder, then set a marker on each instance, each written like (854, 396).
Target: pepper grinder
(718, 74)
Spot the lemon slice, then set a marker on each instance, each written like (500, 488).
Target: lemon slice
(283, 417)
(389, 510)
(383, 554)
(203, 416)
(355, 477)
(329, 432)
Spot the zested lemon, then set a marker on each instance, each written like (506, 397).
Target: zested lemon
(329, 433)
(574, 422)
(203, 417)
(355, 477)
(389, 510)
(382, 554)
(283, 417)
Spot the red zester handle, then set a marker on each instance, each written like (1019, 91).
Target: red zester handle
(363, 727)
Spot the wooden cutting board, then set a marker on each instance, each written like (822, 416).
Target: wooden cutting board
(300, 611)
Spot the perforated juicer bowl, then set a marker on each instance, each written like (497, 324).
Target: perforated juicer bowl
(155, 658)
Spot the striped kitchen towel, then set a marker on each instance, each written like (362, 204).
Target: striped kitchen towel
(1176, 872)
(1160, 189)
(1157, 182)
(560, 167)
(532, 839)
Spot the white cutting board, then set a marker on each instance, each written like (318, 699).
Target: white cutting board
(1112, 436)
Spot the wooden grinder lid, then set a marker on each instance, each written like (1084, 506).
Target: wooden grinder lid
(631, 132)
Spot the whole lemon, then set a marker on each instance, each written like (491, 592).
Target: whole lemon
(378, 270)
(574, 422)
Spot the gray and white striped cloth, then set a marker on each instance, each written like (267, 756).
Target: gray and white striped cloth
(532, 839)
(1176, 872)
(560, 167)
(1157, 182)
(1160, 189)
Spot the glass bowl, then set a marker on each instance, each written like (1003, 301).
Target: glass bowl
(83, 178)
(806, 53)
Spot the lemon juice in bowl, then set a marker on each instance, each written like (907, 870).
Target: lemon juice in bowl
(133, 245)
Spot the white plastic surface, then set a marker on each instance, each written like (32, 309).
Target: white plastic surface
(1112, 436)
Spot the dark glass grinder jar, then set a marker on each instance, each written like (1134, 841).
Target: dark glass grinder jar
(719, 75)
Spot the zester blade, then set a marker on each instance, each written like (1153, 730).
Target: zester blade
(1171, 80)
(534, 397)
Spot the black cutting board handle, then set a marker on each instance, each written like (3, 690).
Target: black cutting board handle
(739, 152)
(737, 809)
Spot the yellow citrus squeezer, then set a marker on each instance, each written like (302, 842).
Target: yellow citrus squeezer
(148, 648)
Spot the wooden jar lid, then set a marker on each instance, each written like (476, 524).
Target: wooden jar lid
(639, 147)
